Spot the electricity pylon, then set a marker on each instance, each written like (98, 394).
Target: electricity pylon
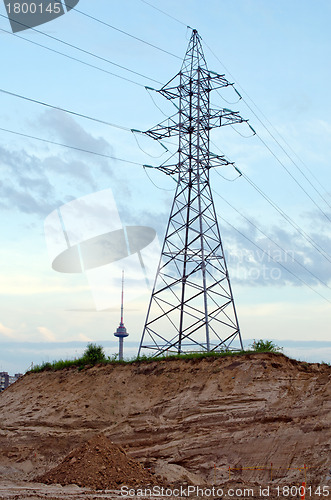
(192, 306)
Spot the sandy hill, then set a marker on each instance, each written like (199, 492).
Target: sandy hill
(186, 420)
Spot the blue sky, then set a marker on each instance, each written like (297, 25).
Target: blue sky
(277, 53)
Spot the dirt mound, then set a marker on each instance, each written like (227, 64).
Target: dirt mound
(98, 464)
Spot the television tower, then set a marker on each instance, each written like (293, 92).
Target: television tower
(121, 332)
(192, 306)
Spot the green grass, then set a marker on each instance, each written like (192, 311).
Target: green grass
(94, 355)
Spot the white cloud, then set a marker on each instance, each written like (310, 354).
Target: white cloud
(7, 332)
(84, 338)
(46, 333)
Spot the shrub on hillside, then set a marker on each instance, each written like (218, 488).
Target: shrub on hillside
(94, 354)
(265, 346)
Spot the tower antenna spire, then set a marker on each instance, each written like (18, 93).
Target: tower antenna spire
(121, 332)
(192, 305)
(122, 301)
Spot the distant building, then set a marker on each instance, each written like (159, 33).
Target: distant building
(6, 380)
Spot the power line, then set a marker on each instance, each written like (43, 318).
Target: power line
(270, 239)
(295, 180)
(274, 138)
(69, 147)
(65, 110)
(165, 150)
(281, 163)
(165, 13)
(126, 33)
(288, 219)
(90, 53)
(120, 127)
(291, 159)
(274, 260)
(300, 159)
(284, 150)
(84, 51)
(140, 164)
(283, 214)
(149, 89)
(151, 180)
(74, 58)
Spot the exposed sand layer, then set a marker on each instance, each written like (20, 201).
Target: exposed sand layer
(192, 422)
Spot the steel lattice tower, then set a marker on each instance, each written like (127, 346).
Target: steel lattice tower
(192, 306)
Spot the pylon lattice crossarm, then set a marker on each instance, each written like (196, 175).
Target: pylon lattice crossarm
(170, 91)
(168, 169)
(217, 81)
(222, 117)
(192, 305)
(218, 161)
(167, 128)
(215, 118)
(214, 162)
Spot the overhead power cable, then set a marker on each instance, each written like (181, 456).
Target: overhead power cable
(166, 14)
(272, 240)
(283, 149)
(288, 219)
(151, 180)
(274, 260)
(81, 115)
(301, 161)
(282, 213)
(277, 142)
(75, 148)
(126, 33)
(74, 58)
(85, 116)
(294, 178)
(149, 90)
(84, 52)
(120, 127)
(165, 149)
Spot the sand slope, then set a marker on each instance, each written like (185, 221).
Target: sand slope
(181, 418)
